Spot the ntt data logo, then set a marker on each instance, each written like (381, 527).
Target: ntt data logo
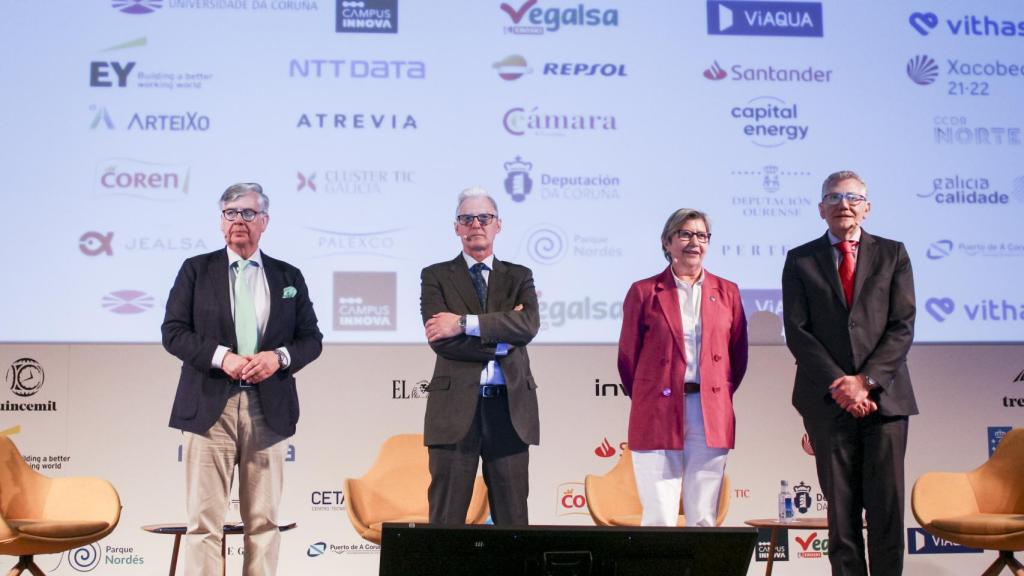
(731, 18)
(136, 7)
(922, 70)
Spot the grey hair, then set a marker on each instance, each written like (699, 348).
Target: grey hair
(675, 221)
(837, 177)
(236, 191)
(475, 192)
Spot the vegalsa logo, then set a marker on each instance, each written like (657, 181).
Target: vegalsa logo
(727, 17)
(922, 70)
(529, 19)
(25, 377)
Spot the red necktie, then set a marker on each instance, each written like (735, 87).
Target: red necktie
(846, 268)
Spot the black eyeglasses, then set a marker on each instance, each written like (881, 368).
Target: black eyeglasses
(247, 214)
(833, 198)
(483, 219)
(686, 236)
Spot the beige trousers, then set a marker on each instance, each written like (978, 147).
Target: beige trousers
(240, 437)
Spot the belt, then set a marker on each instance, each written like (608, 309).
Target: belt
(492, 390)
(691, 388)
(241, 384)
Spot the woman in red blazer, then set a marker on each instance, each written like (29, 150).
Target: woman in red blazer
(682, 355)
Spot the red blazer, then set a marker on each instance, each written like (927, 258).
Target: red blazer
(652, 364)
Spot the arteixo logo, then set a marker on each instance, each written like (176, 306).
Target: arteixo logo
(940, 308)
(922, 70)
(940, 249)
(924, 22)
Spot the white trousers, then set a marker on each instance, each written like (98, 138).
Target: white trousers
(696, 472)
(239, 437)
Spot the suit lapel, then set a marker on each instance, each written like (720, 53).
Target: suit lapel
(823, 255)
(458, 275)
(668, 298)
(865, 263)
(217, 271)
(710, 296)
(497, 285)
(275, 284)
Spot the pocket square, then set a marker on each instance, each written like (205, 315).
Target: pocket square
(289, 292)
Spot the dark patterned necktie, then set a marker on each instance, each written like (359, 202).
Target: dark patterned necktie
(476, 272)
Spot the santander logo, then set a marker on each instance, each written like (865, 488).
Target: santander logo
(606, 450)
(715, 72)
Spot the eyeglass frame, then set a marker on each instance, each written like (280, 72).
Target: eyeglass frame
(679, 234)
(837, 198)
(242, 212)
(478, 217)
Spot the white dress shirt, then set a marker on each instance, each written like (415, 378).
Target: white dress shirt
(689, 308)
(491, 374)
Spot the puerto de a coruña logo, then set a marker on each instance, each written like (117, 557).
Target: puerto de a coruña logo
(939, 249)
(922, 70)
(25, 377)
(137, 7)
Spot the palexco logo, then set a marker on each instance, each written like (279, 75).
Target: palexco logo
(743, 18)
(770, 122)
(540, 20)
(366, 16)
(970, 25)
(922, 70)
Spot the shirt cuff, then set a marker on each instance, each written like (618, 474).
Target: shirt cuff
(472, 325)
(218, 356)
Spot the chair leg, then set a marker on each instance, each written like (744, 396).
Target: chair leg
(26, 563)
(996, 567)
(1012, 563)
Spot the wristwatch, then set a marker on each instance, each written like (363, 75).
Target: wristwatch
(872, 383)
(282, 359)
(462, 323)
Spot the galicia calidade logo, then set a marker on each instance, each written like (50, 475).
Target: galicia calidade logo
(939, 308)
(518, 183)
(512, 67)
(732, 18)
(940, 249)
(136, 7)
(924, 22)
(922, 70)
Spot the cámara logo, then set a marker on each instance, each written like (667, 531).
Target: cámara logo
(922, 70)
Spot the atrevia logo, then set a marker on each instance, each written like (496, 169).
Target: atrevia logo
(995, 436)
(529, 19)
(101, 117)
(94, 243)
(357, 121)
(940, 249)
(518, 183)
(127, 302)
(970, 25)
(921, 542)
(733, 18)
(25, 376)
(512, 67)
(940, 308)
(922, 70)
(137, 6)
(367, 16)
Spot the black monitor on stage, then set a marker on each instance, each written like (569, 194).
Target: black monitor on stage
(425, 550)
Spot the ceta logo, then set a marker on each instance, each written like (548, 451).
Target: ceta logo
(572, 499)
(95, 243)
(715, 72)
(605, 449)
(922, 70)
(306, 182)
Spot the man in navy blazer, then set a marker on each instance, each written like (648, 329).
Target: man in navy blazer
(849, 308)
(242, 324)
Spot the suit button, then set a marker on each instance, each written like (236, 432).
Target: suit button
(666, 392)
(716, 357)
(852, 324)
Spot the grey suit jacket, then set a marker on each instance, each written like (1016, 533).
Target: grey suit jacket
(455, 386)
(872, 337)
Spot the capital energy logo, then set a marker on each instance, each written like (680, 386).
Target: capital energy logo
(512, 67)
(365, 301)
(770, 122)
(996, 435)
(571, 499)
(921, 542)
(25, 377)
(922, 70)
(744, 18)
(924, 23)
(366, 16)
(532, 20)
(127, 302)
(136, 7)
(95, 243)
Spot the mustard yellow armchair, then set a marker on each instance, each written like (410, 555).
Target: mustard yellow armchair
(983, 508)
(613, 500)
(395, 489)
(43, 515)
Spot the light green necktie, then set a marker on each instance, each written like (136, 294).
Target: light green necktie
(245, 312)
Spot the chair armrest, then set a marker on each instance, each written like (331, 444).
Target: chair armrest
(82, 498)
(354, 505)
(941, 495)
(6, 532)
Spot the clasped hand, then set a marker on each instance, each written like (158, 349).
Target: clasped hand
(254, 368)
(851, 393)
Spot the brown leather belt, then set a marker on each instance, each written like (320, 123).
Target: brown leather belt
(691, 388)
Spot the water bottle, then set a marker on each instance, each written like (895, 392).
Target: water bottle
(785, 503)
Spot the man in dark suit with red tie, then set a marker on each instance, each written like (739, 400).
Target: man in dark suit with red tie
(848, 306)
(242, 324)
(479, 314)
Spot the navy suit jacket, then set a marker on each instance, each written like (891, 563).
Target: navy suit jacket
(199, 318)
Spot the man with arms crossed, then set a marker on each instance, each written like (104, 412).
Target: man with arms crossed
(848, 306)
(479, 314)
(242, 324)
